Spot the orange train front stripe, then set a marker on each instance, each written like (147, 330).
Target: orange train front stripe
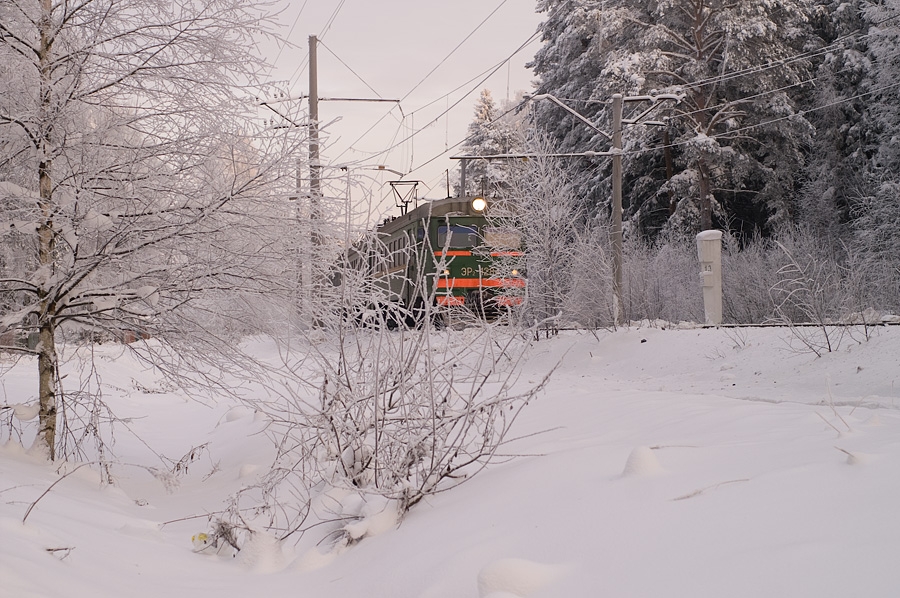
(454, 253)
(474, 283)
(450, 300)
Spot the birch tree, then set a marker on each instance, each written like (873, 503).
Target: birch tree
(129, 160)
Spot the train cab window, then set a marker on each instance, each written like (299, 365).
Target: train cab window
(502, 238)
(460, 236)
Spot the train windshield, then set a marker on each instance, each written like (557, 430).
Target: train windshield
(459, 236)
(502, 238)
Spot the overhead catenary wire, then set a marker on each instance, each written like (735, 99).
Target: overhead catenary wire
(787, 60)
(687, 141)
(327, 27)
(304, 63)
(349, 68)
(290, 31)
(489, 72)
(766, 123)
(481, 81)
(358, 76)
(426, 77)
(857, 35)
(724, 104)
(412, 114)
(755, 70)
(454, 50)
(447, 150)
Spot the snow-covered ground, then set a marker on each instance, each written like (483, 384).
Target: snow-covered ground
(659, 462)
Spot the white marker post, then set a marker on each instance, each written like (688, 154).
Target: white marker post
(709, 249)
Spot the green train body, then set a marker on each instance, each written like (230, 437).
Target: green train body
(445, 253)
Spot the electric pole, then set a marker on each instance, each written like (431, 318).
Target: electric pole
(614, 153)
(616, 231)
(315, 168)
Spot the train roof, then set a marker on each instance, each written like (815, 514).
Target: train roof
(456, 206)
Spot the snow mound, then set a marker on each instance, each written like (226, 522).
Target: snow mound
(262, 553)
(26, 412)
(641, 462)
(516, 578)
(854, 458)
(238, 413)
(376, 517)
(313, 559)
(247, 470)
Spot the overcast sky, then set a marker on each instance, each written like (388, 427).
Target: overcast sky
(388, 48)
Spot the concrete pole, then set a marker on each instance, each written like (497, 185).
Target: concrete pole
(616, 232)
(315, 169)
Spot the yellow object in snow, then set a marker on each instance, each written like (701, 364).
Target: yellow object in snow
(199, 540)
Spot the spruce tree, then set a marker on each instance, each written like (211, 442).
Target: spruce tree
(734, 143)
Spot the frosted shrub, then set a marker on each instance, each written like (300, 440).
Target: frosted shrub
(389, 417)
(662, 282)
(748, 273)
(589, 301)
(375, 407)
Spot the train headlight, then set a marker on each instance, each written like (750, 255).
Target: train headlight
(479, 204)
(515, 272)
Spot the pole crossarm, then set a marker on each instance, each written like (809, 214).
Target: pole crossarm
(612, 152)
(615, 153)
(359, 100)
(660, 97)
(654, 102)
(564, 106)
(285, 117)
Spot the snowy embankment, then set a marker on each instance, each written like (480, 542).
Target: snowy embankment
(657, 463)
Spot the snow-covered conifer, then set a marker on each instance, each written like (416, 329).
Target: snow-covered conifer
(732, 147)
(492, 131)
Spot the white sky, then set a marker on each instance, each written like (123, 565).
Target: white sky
(392, 45)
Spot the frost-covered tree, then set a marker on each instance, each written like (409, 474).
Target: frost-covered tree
(842, 148)
(732, 147)
(129, 164)
(883, 35)
(492, 131)
(876, 210)
(565, 263)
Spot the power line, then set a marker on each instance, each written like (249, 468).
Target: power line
(331, 19)
(453, 51)
(859, 35)
(290, 31)
(467, 137)
(446, 96)
(774, 120)
(347, 66)
(744, 99)
(490, 73)
(425, 78)
(685, 142)
(325, 28)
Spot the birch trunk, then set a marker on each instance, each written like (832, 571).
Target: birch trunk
(47, 361)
